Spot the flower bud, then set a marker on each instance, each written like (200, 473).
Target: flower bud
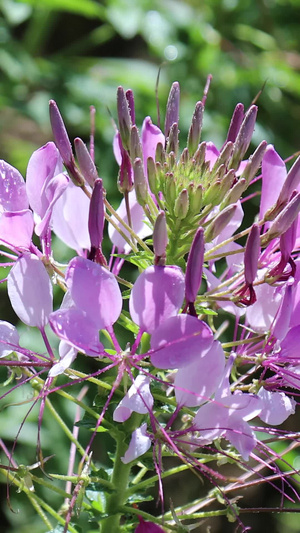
(170, 188)
(96, 223)
(125, 182)
(130, 100)
(160, 153)
(195, 198)
(213, 194)
(86, 164)
(236, 122)
(63, 144)
(152, 175)
(195, 129)
(254, 162)
(140, 182)
(244, 136)
(172, 112)
(184, 158)
(181, 206)
(124, 118)
(172, 143)
(284, 220)
(199, 156)
(160, 236)
(60, 134)
(252, 252)
(193, 275)
(224, 156)
(219, 222)
(291, 183)
(135, 144)
(234, 194)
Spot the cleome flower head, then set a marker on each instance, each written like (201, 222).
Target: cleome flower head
(196, 355)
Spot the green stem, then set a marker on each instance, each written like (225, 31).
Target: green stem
(120, 478)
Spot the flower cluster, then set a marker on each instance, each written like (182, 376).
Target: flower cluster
(214, 308)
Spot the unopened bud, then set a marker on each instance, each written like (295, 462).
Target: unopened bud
(212, 196)
(244, 136)
(125, 181)
(219, 222)
(135, 144)
(254, 162)
(284, 220)
(172, 112)
(224, 156)
(288, 240)
(124, 118)
(199, 156)
(130, 100)
(170, 188)
(140, 182)
(181, 206)
(252, 252)
(60, 134)
(235, 124)
(152, 176)
(96, 223)
(195, 129)
(193, 276)
(234, 194)
(184, 158)
(195, 198)
(160, 153)
(86, 164)
(63, 144)
(160, 235)
(172, 143)
(291, 183)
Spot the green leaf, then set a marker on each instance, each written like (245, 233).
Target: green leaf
(141, 497)
(87, 8)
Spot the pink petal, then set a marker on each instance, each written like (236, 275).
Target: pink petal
(30, 291)
(95, 291)
(212, 421)
(151, 136)
(67, 356)
(54, 189)
(12, 189)
(42, 166)
(290, 344)
(179, 340)
(76, 328)
(273, 177)
(157, 294)
(276, 407)
(70, 218)
(195, 383)
(241, 436)
(139, 444)
(261, 314)
(9, 338)
(138, 399)
(16, 229)
(211, 154)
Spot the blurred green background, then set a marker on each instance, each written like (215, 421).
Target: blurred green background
(78, 51)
